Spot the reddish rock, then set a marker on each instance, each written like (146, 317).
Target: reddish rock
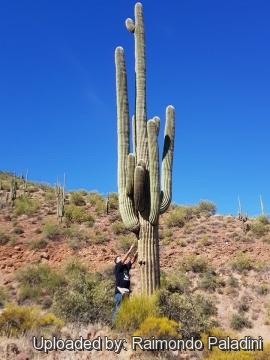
(22, 356)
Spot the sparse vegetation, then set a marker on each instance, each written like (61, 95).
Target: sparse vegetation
(76, 214)
(16, 320)
(4, 238)
(77, 198)
(241, 263)
(239, 322)
(25, 205)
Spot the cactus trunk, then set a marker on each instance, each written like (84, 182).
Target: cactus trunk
(143, 196)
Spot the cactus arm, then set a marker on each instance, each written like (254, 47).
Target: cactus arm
(152, 129)
(140, 71)
(130, 174)
(126, 204)
(139, 181)
(134, 136)
(167, 159)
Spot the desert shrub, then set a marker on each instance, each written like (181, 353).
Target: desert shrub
(241, 263)
(18, 230)
(124, 242)
(159, 327)
(51, 230)
(239, 322)
(76, 214)
(168, 232)
(4, 238)
(134, 311)
(85, 297)
(176, 217)
(99, 238)
(115, 216)
(263, 219)
(243, 307)
(206, 206)
(40, 243)
(83, 192)
(176, 281)
(34, 280)
(232, 282)
(194, 312)
(97, 201)
(197, 264)
(16, 320)
(118, 227)
(7, 217)
(262, 289)
(3, 296)
(25, 205)
(259, 228)
(209, 282)
(76, 198)
(113, 201)
(76, 238)
(205, 241)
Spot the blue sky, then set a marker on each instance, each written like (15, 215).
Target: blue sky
(210, 59)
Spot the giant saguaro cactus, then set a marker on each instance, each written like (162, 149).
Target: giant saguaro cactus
(142, 196)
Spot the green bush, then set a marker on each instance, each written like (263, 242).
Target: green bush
(239, 322)
(25, 205)
(259, 228)
(113, 201)
(194, 312)
(118, 227)
(85, 297)
(76, 214)
(4, 238)
(176, 217)
(97, 201)
(3, 296)
(76, 238)
(263, 219)
(176, 281)
(241, 263)
(37, 244)
(124, 242)
(34, 280)
(76, 198)
(209, 282)
(16, 320)
(51, 230)
(197, 264)
(206, 206)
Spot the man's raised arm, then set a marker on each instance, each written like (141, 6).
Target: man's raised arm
(127, 254)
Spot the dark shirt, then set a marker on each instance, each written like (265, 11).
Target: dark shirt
(122, 278)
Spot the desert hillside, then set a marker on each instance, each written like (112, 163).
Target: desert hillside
(221, 256)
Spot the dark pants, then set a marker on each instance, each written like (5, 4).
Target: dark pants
(118, 299)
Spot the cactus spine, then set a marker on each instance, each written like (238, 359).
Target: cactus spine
(60, 196)
(142, 196)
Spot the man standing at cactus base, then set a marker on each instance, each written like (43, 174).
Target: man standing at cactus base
(122, 278)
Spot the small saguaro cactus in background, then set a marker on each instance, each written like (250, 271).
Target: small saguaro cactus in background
(25, 182)
(142, 196)
(13, 191)
(60, 196)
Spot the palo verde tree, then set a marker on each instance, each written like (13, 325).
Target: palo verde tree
(142, 195)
